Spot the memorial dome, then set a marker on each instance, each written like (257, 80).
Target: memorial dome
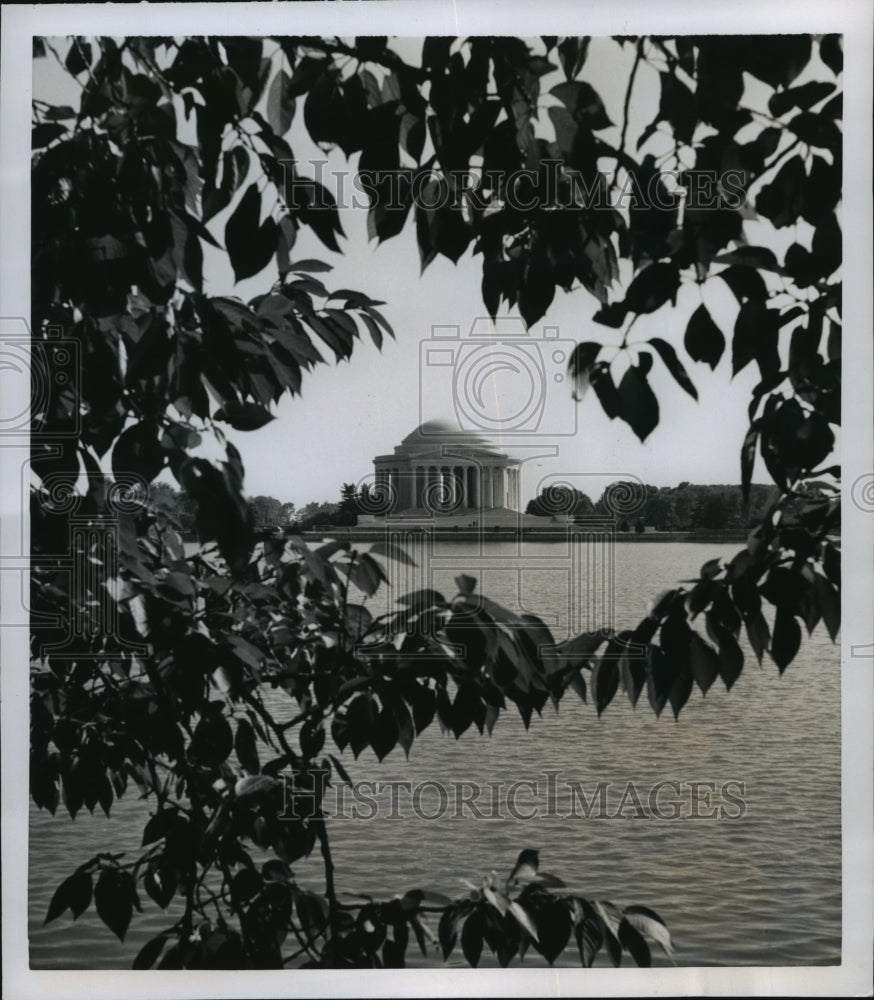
(441, 468)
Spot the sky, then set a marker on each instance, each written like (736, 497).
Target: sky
(357, 409)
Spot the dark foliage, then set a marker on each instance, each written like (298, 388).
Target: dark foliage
(155, 676)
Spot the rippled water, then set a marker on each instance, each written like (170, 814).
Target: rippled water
(760, 889)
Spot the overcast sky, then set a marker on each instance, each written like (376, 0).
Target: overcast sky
(352, 411)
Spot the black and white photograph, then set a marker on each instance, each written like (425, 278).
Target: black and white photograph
(426, 467)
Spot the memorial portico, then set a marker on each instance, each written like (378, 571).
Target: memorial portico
(440, 468)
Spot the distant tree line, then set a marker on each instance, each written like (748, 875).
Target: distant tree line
(687, 507)
(267, 512)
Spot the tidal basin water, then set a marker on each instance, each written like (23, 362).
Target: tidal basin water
(748, 872)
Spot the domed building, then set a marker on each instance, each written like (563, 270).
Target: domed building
(440, 469)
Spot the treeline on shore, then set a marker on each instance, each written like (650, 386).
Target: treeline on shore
(689, 507)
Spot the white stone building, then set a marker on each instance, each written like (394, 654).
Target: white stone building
(440, 469)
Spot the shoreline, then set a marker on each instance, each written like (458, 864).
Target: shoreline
(507, 534)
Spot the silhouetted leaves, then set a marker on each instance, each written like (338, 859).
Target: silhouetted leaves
(120, 208)
(73, 894)
(802, 97)
(244, 416)
(782, 199)
(580, 365)
(605, 682)
(755, 338)
(583, 102)
(148, 954)
(652, 288)
(472, 938)
(601, 380)
(113, 899)
(673, 364)
(235, 167)
(703, 661)
(704, 340)
(786, 637)
(212, 741)
(640, 408)
(280, 105)
(632, 940)
(79, 57)
(250, 243)
(244, 744)
(831, 52)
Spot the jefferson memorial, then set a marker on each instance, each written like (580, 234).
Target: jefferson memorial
(440, 469)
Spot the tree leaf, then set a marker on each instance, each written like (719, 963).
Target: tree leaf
(73, 894)
(159, 824)
(755, 338)
(658, 678)
(554, 926)
(244, 416)
(757, 257)
(652, 288)
(45, 133)
(602, 382)
(605, 682)
(580, 365)
(138, 450)
(280, 105)
(648, 922)
(245, 746)
(254, 784)
(703, 661)
(731, 658)
(667, 353)
(583, 103)
(829, 601)
(367, 574)
(747, 460)
(235, 167)
(633, 942)
(831, 52)
(250, 244)
(359, 720)
(446, 930)
(393, 550)
(782, 200)
(589, 934)
(803, 97)
(817, 130)
(640, 408)
(113, 900)
(536, 290)
(212, 741)
(704, 341)
(745, 283)
(79, 56)
(472, 938)
(758, 633)
(677, 107)
(148, 954)
(786, 638)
